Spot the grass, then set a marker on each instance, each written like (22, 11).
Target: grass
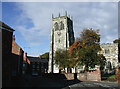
(109, 77)
(112, 76)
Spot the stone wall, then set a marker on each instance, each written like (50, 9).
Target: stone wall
(87, 76)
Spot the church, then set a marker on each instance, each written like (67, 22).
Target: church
(62, 36)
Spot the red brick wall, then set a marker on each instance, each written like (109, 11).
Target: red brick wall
(118, 75)
(17, 57)
(69, 76)
(87, 76)
(82, 76)
(94, 75)
(15, 48)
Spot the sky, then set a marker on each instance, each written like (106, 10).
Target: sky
(32, 21)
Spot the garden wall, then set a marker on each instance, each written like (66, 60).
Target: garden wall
(86, 76)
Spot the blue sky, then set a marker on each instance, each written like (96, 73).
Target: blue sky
(32, 21)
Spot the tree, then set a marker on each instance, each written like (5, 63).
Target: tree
(45, 55)
(61, 59)
(74, 53)
(64, 60)
(101, 61)
(118, 41)
(86, 49)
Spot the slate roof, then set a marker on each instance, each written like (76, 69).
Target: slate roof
(5, 26)
(36, 59)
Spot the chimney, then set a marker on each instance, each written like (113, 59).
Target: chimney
(25, 57)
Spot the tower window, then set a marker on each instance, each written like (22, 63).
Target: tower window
(56, 26)
(61, 25)
(59, 40)
(107, 51)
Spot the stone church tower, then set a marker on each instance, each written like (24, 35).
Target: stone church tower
(62, 36)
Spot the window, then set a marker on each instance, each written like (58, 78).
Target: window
(33, 65)
(109, 66)
(23, 65)
(59, 40)
(56, 26)
(107, 51)
(38, 66)
(42, 66)
(61, 25)
(113, 64)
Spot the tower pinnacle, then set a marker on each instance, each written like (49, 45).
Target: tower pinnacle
(65, 13)
(59, 14)
(52, 16)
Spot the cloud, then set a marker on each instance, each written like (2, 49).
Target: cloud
(60, 1)
(35, 19)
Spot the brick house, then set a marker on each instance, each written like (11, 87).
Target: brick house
(17, 58)
(37, 65)
(7, 33)
(20, 59)
(25, 64)
(13, 57)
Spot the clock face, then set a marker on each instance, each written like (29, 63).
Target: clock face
(59, 33)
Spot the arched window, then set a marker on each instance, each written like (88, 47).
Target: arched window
(56, 26)
(107, 51)
(61, 25)
(113, 64)
(109, 66)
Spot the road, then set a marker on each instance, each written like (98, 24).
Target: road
(93, 85)
(48, 83)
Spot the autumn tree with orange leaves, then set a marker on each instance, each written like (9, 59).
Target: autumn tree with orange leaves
(85, 50)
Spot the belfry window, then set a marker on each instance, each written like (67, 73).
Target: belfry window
(107, 51)
(61, 25)
(56, 26)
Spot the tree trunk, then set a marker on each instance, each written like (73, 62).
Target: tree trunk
(69, 70)
(86, 68)
(59, 70)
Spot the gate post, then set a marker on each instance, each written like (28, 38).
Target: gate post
(118, 74)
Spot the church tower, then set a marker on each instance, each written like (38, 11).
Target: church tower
(62, 36)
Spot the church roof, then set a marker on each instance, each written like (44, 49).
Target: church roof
(4, 26)
(36, 59)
